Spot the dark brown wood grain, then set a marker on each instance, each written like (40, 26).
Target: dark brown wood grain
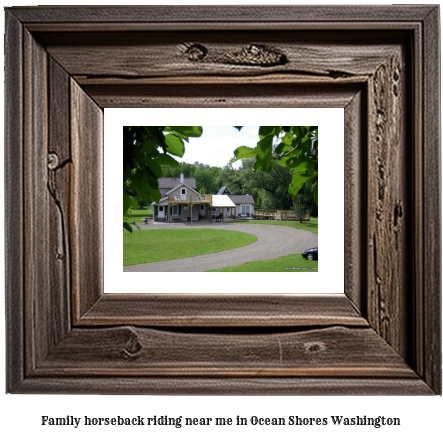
(174, 385)
(430, 318)
(107, 56)
(354, 192)
(236, 310)
(86, 226)
(387, 230)
(231, 94)
(129, 351)
(38, 310)
(355, 15)
(64, 65)
(59, 169)
(14, 192)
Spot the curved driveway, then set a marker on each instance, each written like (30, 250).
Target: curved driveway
(273, 241)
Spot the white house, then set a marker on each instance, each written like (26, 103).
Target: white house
(182, 202)
(244, 204)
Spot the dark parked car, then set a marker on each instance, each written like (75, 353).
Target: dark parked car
(310, 254)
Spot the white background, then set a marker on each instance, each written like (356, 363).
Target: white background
(21, 414)
(331, 194)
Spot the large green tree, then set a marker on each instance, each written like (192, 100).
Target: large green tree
(292, 147)
(304, 202)
(269, 189)
(145, 150)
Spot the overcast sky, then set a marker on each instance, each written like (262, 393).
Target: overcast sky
(217, 144)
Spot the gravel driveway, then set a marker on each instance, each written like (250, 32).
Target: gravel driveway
(273, 241)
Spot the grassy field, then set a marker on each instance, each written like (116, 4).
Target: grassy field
(311, 225)
(279, 264)
(139, 215)
(147, 246)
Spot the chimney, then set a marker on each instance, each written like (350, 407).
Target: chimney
(182, 178)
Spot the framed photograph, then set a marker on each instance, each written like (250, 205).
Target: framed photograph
(263, 254)
(65, 65)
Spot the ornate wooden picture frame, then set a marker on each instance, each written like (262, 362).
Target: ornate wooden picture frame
(64, 65)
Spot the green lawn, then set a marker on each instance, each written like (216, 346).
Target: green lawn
(139, 215)
(311, 225)
(275, 265)
(279, 264)
(147, 246)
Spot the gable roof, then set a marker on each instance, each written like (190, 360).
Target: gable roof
(224, 191)
(170, 191)
(179, 185)
(242, 199)
(169, 183)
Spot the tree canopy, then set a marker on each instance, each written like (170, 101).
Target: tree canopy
(292, 147)
(145, 150)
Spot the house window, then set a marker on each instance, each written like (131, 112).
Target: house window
(202, 207)
(160, 208)
(183, 194)
(175, 210)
